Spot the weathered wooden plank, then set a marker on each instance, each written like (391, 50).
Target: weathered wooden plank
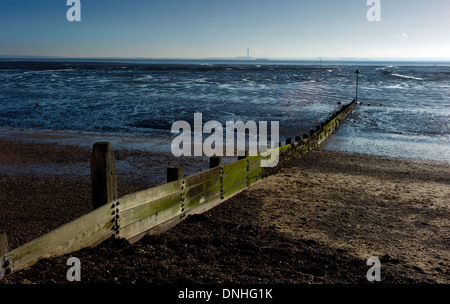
(201, 177)
(240, 165)
(254, 161)
(147, 223)
(147, 215)
(143, 197)
(158, 228)
(142, 211)
(254, 168)
(28, 254)
(234, 184)
(200, 189)
(77, 234)
(202, 193)
(234, 177)
(90, 237)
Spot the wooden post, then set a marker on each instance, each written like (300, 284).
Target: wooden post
(215, 161)
(3, 244)
(174, 173)
(3, 250)
(103, 174)
(243, 156)
(288, 141)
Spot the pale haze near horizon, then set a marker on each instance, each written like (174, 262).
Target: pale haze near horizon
(225, 29)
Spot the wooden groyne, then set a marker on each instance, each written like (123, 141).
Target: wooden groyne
(155, 209)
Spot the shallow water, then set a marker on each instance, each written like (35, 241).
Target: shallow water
(405, 108)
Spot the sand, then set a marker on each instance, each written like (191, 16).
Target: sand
(366, 205)
(316, 221)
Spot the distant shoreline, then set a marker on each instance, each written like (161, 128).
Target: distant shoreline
(269, 61)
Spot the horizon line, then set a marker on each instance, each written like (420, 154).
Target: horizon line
(239, 58)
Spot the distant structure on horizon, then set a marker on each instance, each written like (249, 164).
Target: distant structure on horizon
(250, 58)
(247, 57)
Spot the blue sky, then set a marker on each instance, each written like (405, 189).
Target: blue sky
(211, 28)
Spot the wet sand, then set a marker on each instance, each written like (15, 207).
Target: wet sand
(316, 221)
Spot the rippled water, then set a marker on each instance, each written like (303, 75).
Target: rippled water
(405, 109)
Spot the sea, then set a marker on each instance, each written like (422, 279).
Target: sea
(403, 108)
